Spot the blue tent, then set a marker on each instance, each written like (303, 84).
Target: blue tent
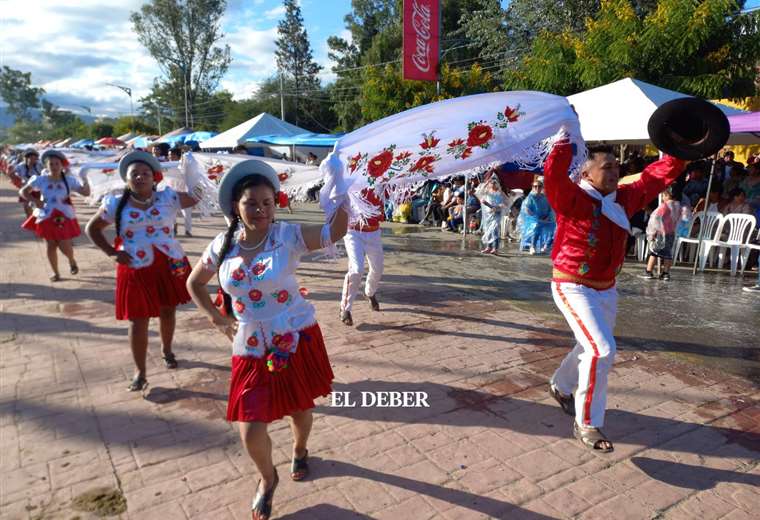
(175, 139)
(82, 143)
(199, 137)
(308, 139)
(141, 142)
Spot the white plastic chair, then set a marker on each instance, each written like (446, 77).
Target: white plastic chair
(641, 244)
(738, 228)
(712, 222)
(747, 249)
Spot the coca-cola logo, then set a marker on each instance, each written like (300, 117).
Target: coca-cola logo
(422, 25)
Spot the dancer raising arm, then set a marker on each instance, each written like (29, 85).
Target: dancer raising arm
(151, 266)
(279, 360)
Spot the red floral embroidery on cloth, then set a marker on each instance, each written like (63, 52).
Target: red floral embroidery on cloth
(255, 295)
(390, 163)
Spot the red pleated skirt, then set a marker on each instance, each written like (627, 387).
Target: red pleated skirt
(55, 227)
(258, 395)
(140, 293)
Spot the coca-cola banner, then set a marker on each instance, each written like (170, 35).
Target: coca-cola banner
(421, 39)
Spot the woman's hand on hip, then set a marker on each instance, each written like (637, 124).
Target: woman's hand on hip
(227, 325)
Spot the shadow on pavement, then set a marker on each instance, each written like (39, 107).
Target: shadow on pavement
(692, 477)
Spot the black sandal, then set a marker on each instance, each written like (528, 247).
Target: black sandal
(55, 278)
(566, 402)
(138, 384)
(74, 268)
(262, 504)
(170, 360)
(592, 438)
(299, 468)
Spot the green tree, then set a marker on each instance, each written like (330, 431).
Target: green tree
(295, 60)
(100, 129)
(184, 38)
(17, 91)
(124, 125)
(25, 131)
(716, 57)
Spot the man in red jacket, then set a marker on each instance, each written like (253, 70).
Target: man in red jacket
(588, 253)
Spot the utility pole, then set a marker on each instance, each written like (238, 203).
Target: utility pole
(282, 100)
(158, 116)
(184, 80)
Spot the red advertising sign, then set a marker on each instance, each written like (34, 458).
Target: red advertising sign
(421, 39)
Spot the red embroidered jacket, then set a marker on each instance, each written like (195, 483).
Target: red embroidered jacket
(588, 248)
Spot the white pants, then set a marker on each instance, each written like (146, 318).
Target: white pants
(591, 316)
(358, 245)
(188, 214)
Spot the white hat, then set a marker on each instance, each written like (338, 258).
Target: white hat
(239, 171)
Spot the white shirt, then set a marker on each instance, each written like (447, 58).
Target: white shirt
(265, 295)
(54, 195)
(141, 230)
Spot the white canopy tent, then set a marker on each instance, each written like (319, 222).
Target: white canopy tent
(262, 124)
(619, 112)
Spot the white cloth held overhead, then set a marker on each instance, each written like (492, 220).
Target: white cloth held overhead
(610, 209)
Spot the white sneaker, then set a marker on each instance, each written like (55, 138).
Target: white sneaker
(753, 288)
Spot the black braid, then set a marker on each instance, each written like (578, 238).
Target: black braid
(120, 208)
(226, 245)
(65, 183)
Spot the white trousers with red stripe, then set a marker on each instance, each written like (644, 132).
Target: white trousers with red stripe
(591, 315)
(358, 245)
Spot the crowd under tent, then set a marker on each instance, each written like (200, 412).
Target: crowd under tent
(262, 124)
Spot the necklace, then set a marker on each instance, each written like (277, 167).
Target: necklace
(149, 200)
(251, 248)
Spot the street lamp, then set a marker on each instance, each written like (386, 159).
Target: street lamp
(131, 106)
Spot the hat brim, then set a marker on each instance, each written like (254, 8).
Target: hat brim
(240, 171)
(689, 128)
(137, 156)
(47, 154)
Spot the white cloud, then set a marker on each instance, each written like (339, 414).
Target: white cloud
(275, 12)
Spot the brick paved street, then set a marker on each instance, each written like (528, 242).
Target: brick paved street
(492, 444)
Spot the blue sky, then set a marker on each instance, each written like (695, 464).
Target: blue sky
(73, 48)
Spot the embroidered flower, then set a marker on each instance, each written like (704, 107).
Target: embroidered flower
(239, 306)
(283, 342)
(512, 114)
(238, 274)
(429, 141)
(134, 214)
(353, 162)
(277, 361)
(456, 142)
(283, 296)
(380, 163)
(258, 268)
(166, 229)
(403, 156)
(253, 341)
(255, 295)
(214, 171)
(141, 254)
(423, 164)
(129, 233)
(282, 176)
(304, 291)
(150, 230)
(108, 171)
(479, 135)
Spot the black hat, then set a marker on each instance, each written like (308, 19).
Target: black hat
(689, 128)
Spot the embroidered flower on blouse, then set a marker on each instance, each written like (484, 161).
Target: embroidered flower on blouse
(283, 342)
(255, 295)
(239, 306)
(258, 268)
(282, 296)
(134, 214)
(150, 230)
(141, 254)
(155, 212)
(252, 341)
(238, 274)
(129, 233)
(166, 229)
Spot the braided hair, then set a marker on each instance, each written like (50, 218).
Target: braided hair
(237, 191)
(123, 202)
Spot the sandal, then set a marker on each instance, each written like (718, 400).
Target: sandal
(566, 402)
(262, 504)
(299, 468)
(592, 438)
(55, 278)
(169, 360)
(74, 269)
(138, 384)
(345, 317)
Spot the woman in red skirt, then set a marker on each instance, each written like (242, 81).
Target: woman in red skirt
(54, 218)
(279, 361)
(151, 266)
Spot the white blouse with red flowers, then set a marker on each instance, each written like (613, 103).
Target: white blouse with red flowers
(54, 196)
(264, 290)
(141, 230)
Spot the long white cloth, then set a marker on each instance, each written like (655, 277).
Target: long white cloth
(610, 209)
(454, 136)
